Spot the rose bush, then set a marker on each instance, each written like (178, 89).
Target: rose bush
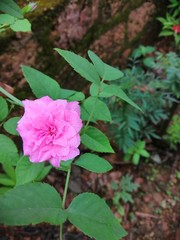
(50, 130)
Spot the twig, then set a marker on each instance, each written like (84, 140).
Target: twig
(146, 215)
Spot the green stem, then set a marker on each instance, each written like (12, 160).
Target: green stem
(91, 114)
(14, 99)
(66, 187)
(64, 198)
(60, 232)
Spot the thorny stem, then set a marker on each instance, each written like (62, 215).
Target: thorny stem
(64, 198)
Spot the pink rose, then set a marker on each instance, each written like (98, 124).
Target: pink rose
(50, 130)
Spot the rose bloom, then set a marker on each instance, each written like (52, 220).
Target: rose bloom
(50, 130)
(176, 28)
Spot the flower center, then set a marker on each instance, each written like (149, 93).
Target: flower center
(48, 132)
(52, 130)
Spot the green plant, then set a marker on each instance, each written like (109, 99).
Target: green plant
(166, 67)
(153, 83)
(153, 174)
(178, 174)
(123, 192)
(51, 129)
(173, 132)
(170, 23)
(23, 172)
(142, 51)
(13, 16)
(135, 152)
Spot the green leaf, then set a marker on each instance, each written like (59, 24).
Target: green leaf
(118, 92)
(162, 20)
(71, 95)
(8, 151)
(142, 51)
(80, 65)
(115, 90)
(144, 153)
(43, 173)
(85, 115)
(10, 7)
(114, 186)
(4, 108)
(66, 93)
(112, 90)
(91, 215)
(41, 84)
(26, 171)
(6, 181)
(149, 62)
(31, 203)
(121, 210)
(11, 124)
(136, 53)
(21, 25)
(30, 7)
(93, 163)
(165, 33)
(77, 96)
(94, 89)
(6, 19)
(146, 49)
(10, 171)
(136, 158)
(99, 108)
(127, 185)
(140, 144)
(126, 197)
(4, 190)
(149, 49)
(95, 140)
(65, 165)
(104, 70)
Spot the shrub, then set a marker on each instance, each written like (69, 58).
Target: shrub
(173, 132)
(153, 83)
